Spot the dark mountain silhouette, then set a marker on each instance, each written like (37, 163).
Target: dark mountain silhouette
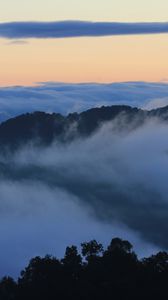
(44, 128)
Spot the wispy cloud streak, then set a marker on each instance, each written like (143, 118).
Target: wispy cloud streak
(67, 29)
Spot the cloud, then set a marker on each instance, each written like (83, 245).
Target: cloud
(66, 97)
(156, 103)
(122, 176)
(36, 219)
(17, 42)
(67, 29)
(113, 183)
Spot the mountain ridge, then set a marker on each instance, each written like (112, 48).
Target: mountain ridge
(45, 128)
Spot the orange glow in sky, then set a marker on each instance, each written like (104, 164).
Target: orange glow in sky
(108, 59)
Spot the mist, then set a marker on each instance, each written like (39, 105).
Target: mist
(37, 220)
(66, 98)
(113, 183)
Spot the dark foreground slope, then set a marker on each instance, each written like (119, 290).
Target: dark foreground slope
(113, 273)
(44, 128)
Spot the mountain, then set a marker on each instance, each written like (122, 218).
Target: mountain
(44, 128)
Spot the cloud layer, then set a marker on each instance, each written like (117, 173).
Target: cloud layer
(123, 177)
(67, 29)
(110, 184)
(36, 219)
(65, 98)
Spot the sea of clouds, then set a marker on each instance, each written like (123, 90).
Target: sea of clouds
(65, 98)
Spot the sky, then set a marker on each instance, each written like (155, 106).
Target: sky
(84, 59)
(120, 10)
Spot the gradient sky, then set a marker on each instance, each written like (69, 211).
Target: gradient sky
(107, 59)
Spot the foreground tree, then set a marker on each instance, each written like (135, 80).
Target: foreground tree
(72, 262)
(115, 273)
(91, 249)
(8, 288)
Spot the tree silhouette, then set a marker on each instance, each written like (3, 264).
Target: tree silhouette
(72, 258)
(8, 288)
(120, 245)
(91, 249)
(72, 262)
(115, 273)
